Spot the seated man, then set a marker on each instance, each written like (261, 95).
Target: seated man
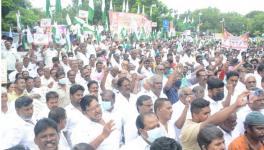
(254, 133)
(19, 127)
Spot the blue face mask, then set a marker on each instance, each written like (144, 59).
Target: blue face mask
(154, 134)
(219, 96)
(106, 105)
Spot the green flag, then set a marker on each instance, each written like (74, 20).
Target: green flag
(58, 6)
(55, 33)
(48, 8)
(91, 11)
(104, 16)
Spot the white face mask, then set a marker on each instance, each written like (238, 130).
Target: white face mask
(154, 134)
(63, 81)
(106, 105)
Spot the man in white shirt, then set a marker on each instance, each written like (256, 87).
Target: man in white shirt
(59, 116)
(149, 129)
(215, 94)
(126, 105)
(73, 110)
(228, 127)
(181, 110)
(97, 129)
(19, 69)
(163, 110)
(10, 55)
(47, 135)
(155, 91)
(52, 102)
(19, 127)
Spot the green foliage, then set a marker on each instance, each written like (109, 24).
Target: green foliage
(28, 15)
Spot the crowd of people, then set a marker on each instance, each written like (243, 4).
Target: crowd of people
(114, 94)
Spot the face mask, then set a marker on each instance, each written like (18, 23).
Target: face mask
(219, 96)
(106, 105)
(63, 81)
(154, 134)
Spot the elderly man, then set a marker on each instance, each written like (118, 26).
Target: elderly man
(254, 133)
(255, 103)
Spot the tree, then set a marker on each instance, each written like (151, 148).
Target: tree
(9, 10)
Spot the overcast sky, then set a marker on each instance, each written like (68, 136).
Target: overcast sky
(240, 6)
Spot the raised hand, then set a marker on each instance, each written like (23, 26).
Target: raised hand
(108, 128)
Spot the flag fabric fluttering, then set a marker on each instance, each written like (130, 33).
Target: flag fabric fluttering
(127, 7)
(184, 21)
(124, 6)
(143, 10)
(138, 9)
(104, 16)
(79, 3)
(29, 36)
(111, 5)
(58, 6)
(18, 20)
(55, 33)
(68, 40)
(150, 12)
(48, 14)
(10, 32)
(91, 11)
(68, 19)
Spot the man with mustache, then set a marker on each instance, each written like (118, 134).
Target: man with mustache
(254, 133)
(47, 134)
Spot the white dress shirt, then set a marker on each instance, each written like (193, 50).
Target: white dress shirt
(137, 144)
(87, 131)
(178, 108)
(74, 116)
(127, 108)
(215, 106)
(17, 131)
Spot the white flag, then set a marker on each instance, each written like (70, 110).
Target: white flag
(68, 19)
(79, 3)
(111, 5)
(124, 6)
(18, 20)
(29, 36)
(10, 32)
(143, 10)
(127, 7)
(138, 10)
(184, 21)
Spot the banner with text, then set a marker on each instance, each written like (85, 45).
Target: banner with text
(235, 42)
(128, 21)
